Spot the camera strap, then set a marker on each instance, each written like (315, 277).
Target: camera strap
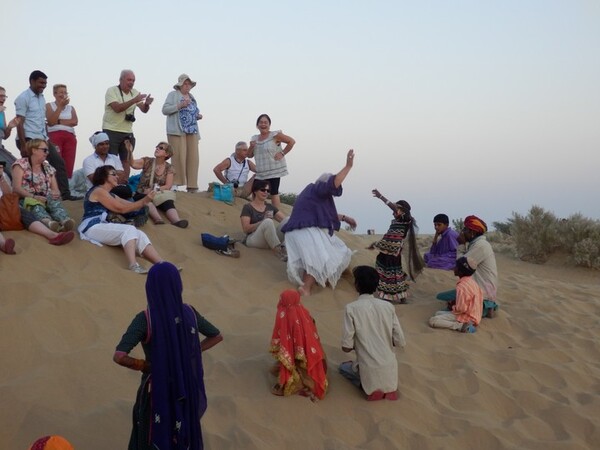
(123, 98)
(241, 171)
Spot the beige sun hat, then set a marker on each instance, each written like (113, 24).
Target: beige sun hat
(182, 79)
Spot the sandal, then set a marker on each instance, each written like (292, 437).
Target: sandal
(62, 238)
(159, 222)
(9, 246)
(181, 223)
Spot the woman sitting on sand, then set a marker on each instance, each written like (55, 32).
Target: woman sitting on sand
(30, 224)
(157, 173)
(35, 181)
(301, 366)
(171, 398)
(98, 202)
(258, 218)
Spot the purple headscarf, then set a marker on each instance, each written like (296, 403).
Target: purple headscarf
(178, 395)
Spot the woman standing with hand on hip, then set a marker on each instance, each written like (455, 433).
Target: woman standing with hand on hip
(269, 156)
(183, 135)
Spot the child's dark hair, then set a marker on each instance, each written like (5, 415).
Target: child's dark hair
(366, 279)
(463, 269)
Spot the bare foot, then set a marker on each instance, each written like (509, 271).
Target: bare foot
(303, 291)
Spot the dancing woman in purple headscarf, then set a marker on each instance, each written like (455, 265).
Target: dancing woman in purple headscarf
(171, 398)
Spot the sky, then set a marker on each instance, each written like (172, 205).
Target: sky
(462, 107)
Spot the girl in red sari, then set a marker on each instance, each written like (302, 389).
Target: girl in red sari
(301, 366)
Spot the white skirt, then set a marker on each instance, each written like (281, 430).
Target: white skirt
(314, 251)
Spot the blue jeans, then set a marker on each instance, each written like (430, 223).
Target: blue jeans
(348, 372)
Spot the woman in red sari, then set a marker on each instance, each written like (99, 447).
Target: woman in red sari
(301, 365)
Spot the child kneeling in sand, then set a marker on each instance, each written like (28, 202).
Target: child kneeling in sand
(466, 312)
(372, 329)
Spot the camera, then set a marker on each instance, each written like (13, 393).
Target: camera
(129, 117)
(235, 184)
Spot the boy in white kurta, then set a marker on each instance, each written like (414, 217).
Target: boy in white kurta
(372, 329)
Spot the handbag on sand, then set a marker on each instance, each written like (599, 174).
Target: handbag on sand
(10, 214)
(223, 192)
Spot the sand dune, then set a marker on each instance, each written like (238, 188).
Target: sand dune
(528, 379)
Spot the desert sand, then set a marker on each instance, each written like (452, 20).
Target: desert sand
(528, 379)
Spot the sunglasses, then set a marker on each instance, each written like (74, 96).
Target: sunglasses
(114, 174)
(44, 149)
(264, 190)
(160, 147)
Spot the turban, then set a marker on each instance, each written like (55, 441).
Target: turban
(96, 138)
(51, 443)
(466, 265)
(476, 224)
(441, 218)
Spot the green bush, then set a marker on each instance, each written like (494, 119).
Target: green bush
(503, 227)
(288, 199)
(539, 234)
(458, 224)
(536, 235)
(587, 253)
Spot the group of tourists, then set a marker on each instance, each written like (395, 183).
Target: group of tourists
(171, 398)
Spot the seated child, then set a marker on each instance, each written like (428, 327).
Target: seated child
(442, 254)
(466, 312)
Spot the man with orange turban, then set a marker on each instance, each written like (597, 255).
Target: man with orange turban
(474, 246)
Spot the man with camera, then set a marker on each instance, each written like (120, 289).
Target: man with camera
(119, 114)
(235, 170)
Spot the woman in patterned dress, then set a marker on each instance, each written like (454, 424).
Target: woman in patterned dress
(393, 281)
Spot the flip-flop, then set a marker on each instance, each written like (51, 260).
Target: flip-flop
(9, 247)
(181, 223)
(62, 238)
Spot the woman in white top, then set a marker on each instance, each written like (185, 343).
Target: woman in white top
(269, 155)
(62, 120)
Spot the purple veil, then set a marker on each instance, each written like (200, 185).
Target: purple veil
(178, 395)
